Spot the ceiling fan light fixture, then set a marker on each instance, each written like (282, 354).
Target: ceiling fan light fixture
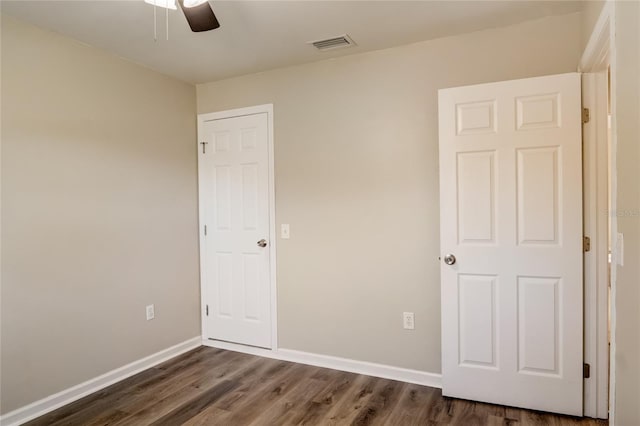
(167, 4)
(193, 3)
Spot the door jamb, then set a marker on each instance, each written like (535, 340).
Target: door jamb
(219, 115)
(600, 393)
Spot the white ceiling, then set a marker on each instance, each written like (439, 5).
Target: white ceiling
(260, 35)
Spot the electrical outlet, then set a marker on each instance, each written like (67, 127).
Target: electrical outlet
(408, 320)
(150, 312)
(284, 231)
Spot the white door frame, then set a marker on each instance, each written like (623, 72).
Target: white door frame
(600, 388)
(239, 112)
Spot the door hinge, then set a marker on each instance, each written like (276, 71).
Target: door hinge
(586, 115)
(586, 244)
(205, 230)
(204, 147)
(587, 371)
(207, 311)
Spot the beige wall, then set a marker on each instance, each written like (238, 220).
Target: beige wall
(99, 213)
(627, 127)
(357, 178)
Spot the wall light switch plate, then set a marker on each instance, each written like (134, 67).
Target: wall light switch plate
(150, 312)
(284, 231)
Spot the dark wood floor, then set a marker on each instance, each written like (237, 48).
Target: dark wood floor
(215, 387)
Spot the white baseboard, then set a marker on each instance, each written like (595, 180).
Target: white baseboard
(424, 378)
(67, 396)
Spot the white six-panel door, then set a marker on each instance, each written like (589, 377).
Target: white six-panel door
(234, 197)
(511, 214)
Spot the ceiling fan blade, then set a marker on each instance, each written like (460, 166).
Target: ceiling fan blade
(200, 18)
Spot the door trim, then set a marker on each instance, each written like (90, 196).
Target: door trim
(597, 56)
(219, 115)
(596, 275)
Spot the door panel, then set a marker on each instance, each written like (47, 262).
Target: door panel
(538, 325)
(234, 181)
(537, 194)
(477, 320)
(476, 197)
(511, 213)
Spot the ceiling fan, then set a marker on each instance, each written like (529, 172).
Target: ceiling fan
(198, 13)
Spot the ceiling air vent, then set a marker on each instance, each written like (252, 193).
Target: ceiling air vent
(333, 43)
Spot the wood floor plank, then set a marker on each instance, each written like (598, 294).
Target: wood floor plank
(411, 408)
(468, 413)
(382, 402)
(83, 403)
(189, 375)
(210, 386)
(83, 410)
(494, 420)
(441, 410)
(348, 408)
(163, 402)
(243, 398)
(211, 416)
(167, 380)
(194, 407)
(313, 411)
(254, 404)
(288, 405)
